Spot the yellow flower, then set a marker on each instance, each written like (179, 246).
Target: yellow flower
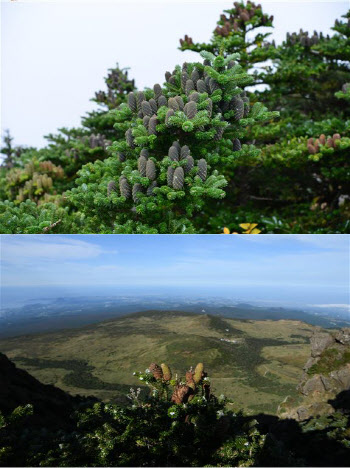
(250, 228)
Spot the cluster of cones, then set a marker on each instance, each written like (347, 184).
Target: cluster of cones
(303, 38)
(183, 392)
(118, 84)
(239, 17)
(313, 145)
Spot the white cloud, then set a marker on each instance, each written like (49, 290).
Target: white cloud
(20, 250)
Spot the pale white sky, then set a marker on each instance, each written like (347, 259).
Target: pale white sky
(54, 54)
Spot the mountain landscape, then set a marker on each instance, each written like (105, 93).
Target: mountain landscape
(82, 393)
(255, 363)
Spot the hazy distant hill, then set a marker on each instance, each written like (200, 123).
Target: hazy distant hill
(55, 314)
(255, 363)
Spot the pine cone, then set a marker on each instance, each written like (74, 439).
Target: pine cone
(146, 108)
(151, 188)
(202, 169)
(201, 87)
(180, 394)
(185, 152)
(184, 78)
(330, 143)
(144, 153)
(167, 75)
(244, 16)
(124, 187)
(156, 371)
(153, 105)
(322, 139)
(219, 133)
(189, 165)
(150, 169)
(121, 157)
(157, 91)
(152, 125)
(194, 97)
(311, 148)
(137, 188)
(129, 138)
(198, 372)
(166, 372)
(231, 64)
(213, 85)
(239, 109)
(177, 145)
(162, 101)
(146, 120)
(189, 87)
(190, 109)
(112, 187)
(173, 104)
(180, 102)
(195, 76)
(173, 153)
(189, 380)
(169, 114)
(132, 102)
(170, 176)
(141, 163)
(140, 99)
(236, 144)
(178, 179)
(336, 136)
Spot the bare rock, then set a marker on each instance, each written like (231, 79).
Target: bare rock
(342, 376)
(312, 385)
(319, 342)
(343, 336)
(310, 362)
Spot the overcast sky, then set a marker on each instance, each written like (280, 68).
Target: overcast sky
(311, 268)
(55, 54)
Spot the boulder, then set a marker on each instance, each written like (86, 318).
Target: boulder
(312, 385)
(319, 342)
(342, 376)
(343, 336)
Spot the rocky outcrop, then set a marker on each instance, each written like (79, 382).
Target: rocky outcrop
(326, 374)
(343, 336)
(319, 342)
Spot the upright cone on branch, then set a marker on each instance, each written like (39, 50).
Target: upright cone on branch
(198, 372)
(166, 372)
(180, 394)
(156, 371)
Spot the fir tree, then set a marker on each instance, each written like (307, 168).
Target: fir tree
(163, 171)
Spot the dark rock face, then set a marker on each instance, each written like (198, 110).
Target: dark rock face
(18, 388)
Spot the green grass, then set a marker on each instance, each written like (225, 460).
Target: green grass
(330, 360)
(256, 373)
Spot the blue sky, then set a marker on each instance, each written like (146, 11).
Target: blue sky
(313, 268)
(56, 53)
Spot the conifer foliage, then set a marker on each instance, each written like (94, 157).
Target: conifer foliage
(176, 140)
